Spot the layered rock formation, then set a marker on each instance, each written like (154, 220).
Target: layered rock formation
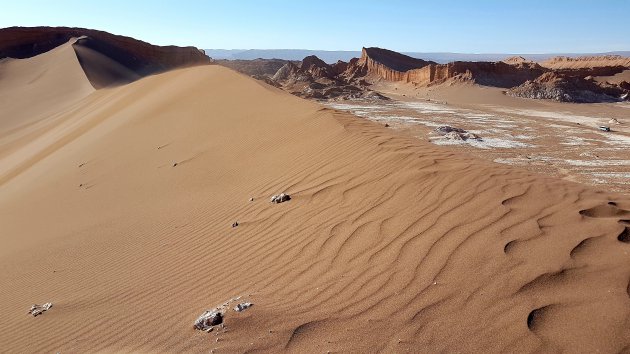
(569, 82)
(392, 66)
(566, 88)
(586, 62)
(388, 64)
(131, 57)
(313, 78)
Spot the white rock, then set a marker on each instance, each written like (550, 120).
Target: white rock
(39, 309)
(208, 320)
(280, 198)
(243, 306)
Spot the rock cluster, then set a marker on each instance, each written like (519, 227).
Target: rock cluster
(567, 88)
(243, 306)
(453, 133)
(215, 317)
(208, 320)
(39, 309)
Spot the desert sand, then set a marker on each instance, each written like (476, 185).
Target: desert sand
(543, 136)
(116, 205)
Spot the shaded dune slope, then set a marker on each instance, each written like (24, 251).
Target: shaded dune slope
(100, 69)
(35, 95)
(389, 243)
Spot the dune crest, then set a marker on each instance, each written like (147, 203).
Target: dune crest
(30, 88)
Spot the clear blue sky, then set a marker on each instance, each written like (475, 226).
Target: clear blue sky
(474, 26)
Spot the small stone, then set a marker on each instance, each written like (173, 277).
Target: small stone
(235, 224)
(243, 306)
(251, 199)
(174, 164)
(40, 309)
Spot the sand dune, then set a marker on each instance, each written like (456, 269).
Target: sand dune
(26, 86)
(101, 70)
(122, 219)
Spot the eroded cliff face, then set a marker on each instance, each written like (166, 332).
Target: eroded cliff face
(498, 74)
(586, 62)
(388, 64)
(392, 66)
(140, 57)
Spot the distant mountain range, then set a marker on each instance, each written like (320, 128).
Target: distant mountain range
(332, 56)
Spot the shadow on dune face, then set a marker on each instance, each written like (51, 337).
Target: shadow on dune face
(101, 69)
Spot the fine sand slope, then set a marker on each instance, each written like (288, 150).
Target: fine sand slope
(30, 89)
(389, 243)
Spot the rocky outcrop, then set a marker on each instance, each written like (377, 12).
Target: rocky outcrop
(285, 72)
(317, 68)
(318, 80)
(387, 64)
(498, 74)
(256, 67)
(586, 62)
(565, 88)
(516, 60)
(339, 67)
(141, 57)
(591, 71)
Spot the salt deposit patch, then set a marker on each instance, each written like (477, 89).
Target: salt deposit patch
(564, 116)
(597, 163)
(615, 139)
(576, 141)
(484, 143)
(425, 107)
(348, 106)
(612, 174)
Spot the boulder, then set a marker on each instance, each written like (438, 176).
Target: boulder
(280, 198)
(243, 306)
(208, 320)
(453, 133)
